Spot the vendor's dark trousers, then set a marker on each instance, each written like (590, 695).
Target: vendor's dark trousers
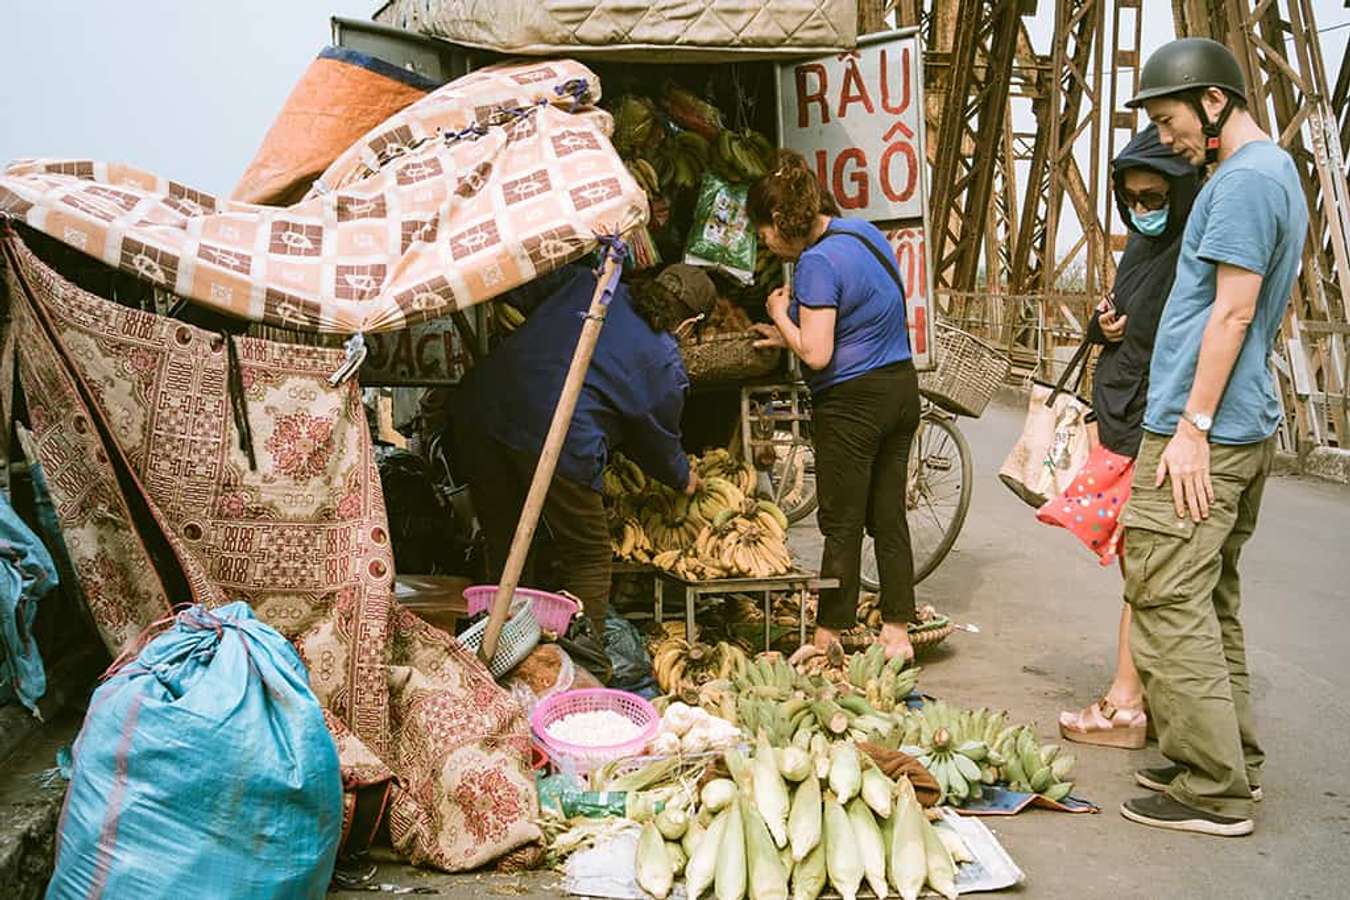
(574, 513)
(862, 430)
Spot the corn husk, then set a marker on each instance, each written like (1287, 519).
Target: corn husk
(729, 882)
(655, 874)
(870, 848)
(672, 823)
(767, 880)
(717, 793)
(702, 866)
(770, 791)
(804, 819)
(877, 791)
(692, 836)
(960, 853)
(941, 870)
(908, 864)
(842, 861)
(845, 771)
(794, 763)
(809, 877)
(678, 858)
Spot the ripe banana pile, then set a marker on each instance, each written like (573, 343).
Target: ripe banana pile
(682, 668)
(719, 532)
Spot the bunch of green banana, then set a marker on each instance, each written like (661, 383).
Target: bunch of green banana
(742, 157)
(681, 161)
(1034, 768)
(885, 683)
(622, 477)
(956, 768)
(637, 126)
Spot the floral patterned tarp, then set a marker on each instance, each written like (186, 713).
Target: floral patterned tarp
(133, 423)
(482, 185)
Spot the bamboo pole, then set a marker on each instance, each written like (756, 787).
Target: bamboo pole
(548, 457)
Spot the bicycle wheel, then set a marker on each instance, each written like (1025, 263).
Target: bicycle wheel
(793, 479)
(937, 497)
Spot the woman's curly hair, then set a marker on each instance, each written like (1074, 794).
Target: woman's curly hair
(789, 198)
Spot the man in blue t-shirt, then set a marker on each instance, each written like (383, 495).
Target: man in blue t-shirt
(1208, 445)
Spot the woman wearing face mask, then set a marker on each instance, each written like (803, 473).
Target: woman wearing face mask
(1154, 191)
(845, 319)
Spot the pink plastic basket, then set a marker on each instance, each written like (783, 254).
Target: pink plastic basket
(553, 612)
(580, 759)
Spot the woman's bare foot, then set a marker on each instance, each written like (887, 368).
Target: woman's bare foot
(895, 638)
(824, 637)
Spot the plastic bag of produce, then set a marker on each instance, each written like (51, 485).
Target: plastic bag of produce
(722, 236)
(203, 769)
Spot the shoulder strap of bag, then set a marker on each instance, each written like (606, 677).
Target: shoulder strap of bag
(891, 267)
(1078, 363)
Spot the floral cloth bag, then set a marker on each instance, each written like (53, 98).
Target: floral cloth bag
(1055, 442)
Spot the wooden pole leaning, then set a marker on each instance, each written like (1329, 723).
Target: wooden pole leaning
(548, 458)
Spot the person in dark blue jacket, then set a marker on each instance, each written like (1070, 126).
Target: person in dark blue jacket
(845, 319)
(632, 399)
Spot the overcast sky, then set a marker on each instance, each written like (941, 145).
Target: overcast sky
(187, 88)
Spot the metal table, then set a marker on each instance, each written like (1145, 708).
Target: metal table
(800, 583)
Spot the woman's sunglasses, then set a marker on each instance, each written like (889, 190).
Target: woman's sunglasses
(1149, 200)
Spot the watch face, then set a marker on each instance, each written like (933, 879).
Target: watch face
(1202, 421)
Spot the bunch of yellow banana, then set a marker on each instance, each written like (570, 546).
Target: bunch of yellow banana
(630, 541)
(742, 157)
(508, 317)
(719, 463)
(671, 520)
(645, 175)
(749, 545)
(714, 495)
(681, 668)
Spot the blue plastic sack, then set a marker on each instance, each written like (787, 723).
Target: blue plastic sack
(26, 575)
(203, 769)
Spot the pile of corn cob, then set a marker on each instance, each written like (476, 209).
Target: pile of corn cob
(842, 822)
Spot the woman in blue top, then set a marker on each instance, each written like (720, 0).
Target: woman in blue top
(845, 319)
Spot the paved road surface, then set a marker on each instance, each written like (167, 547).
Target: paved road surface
(1047, 616)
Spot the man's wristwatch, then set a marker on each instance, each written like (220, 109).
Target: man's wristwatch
(1202, 422)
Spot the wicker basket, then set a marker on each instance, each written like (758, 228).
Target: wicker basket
(722, 358)
(968, 372)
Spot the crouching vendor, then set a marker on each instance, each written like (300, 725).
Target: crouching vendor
(632, 398)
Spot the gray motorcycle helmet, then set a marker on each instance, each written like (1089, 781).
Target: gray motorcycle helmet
(1188, 65)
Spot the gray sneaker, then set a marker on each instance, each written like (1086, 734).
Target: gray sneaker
(1161, 811)
(1160, 778)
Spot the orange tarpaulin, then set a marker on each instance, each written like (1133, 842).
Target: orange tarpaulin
(341, 96)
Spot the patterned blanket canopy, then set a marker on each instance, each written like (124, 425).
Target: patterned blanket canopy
(483, 185)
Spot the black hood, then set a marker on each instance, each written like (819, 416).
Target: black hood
(1148, 152)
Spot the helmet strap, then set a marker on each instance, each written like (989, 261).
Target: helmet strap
(1212, 130)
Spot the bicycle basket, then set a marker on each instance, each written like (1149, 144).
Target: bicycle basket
(968, 372)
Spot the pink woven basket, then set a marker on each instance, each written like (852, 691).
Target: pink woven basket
(578, 758)
(553, 612)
